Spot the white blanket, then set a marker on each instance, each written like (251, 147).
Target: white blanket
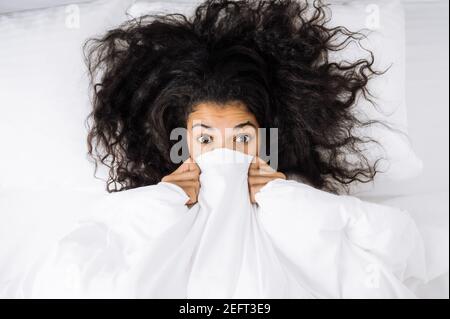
(297, 242)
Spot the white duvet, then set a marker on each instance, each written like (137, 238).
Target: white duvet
(296, 242)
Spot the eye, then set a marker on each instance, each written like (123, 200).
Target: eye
(242, 138)
(205, 139)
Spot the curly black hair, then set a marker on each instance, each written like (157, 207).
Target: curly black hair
(273, 55)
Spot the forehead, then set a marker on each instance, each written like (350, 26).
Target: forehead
(224, 115)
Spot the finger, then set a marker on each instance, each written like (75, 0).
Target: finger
(262, 165)
(175, 177)
(193, 195)
(253, 180)
(186, 166)
(183, 176)
(273, 174)
(261, 170)
(190, 193)
(261, 179)
(194, 167)
(260, 162)
(252, 198)
(253, 191)
(188, 184)
(195, 188)
(255, 162)
(182, 168)
(191, 165)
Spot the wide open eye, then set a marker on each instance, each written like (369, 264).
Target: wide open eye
(242, 138)
(205, 139)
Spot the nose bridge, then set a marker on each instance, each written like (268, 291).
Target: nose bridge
(225, 141)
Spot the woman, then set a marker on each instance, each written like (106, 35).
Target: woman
(193, 230)
(260, 61)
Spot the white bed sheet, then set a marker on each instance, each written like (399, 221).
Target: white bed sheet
(427, 66)
(38, 233)
(430, 211)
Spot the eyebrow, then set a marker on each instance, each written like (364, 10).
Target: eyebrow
(202, 125)
(241, 125)
(248, 123)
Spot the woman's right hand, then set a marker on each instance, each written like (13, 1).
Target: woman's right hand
(186, 176)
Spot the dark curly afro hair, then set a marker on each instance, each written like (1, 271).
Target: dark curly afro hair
(273, 55)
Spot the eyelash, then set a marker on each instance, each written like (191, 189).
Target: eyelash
(201, 136)
(246, 135)
(234, 138)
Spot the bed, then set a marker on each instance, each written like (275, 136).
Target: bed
(37, 185)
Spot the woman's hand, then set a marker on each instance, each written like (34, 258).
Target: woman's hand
(187, 177)
(259, 174)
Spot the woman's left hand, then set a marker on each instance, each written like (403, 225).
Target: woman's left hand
(259, 174)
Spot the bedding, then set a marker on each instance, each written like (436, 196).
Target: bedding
(430, 211)
(21, 5)
(44, 95)
(296, 242)
(61, 192)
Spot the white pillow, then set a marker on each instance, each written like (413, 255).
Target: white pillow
(21, 5)
(386, 22)
(44, 97)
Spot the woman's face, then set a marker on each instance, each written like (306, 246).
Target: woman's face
(230, 126)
